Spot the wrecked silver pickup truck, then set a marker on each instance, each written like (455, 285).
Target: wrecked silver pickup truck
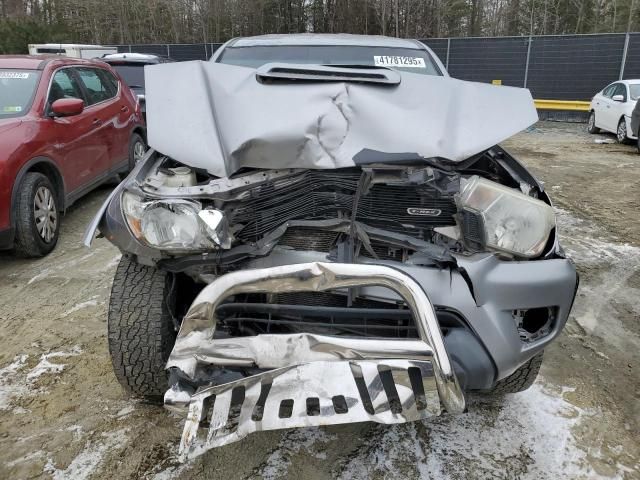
(325, 231)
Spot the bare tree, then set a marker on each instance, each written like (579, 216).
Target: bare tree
(186, 21)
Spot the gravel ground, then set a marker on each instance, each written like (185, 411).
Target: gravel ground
(63, 414)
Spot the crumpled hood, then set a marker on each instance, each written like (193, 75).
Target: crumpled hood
(221, 118)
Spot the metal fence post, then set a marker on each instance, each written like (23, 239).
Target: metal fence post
(624, 55)
(129, 48)
(526, 66)
(168, 51)
(446, 63)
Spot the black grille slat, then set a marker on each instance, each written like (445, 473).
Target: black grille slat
(309, 239)
(322, 194)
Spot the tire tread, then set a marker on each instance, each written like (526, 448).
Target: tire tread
(26, 242)
(140, 329)
(521, 379)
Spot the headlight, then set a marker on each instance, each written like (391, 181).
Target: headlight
(175, 224)
(508, 220)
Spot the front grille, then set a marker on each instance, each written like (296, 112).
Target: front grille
(329, 194)
(299, 238)
(410, 210)
(324, 313)
(327, 299)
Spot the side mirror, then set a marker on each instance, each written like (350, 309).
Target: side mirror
(618, 98)
(67, 107)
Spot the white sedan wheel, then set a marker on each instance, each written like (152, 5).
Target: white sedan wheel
(621, 133)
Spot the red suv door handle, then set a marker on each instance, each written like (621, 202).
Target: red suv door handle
(124, 109)
(97, 121)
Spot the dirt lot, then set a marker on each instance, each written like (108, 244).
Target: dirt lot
(63, 415)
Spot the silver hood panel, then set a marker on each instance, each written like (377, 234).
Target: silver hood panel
(220, 118)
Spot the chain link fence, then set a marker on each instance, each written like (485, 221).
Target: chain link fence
(553, 67)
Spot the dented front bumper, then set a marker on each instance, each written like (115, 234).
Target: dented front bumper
(316, 379)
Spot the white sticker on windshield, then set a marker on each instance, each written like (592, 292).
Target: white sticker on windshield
(21, 75)
(398, 61)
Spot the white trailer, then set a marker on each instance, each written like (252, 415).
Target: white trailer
(74, 50)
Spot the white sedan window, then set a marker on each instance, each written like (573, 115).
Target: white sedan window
(608, 92)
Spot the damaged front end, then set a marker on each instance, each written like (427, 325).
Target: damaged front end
(374, 293)
(314, 278)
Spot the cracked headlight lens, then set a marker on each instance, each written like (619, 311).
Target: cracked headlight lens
(175, 224)
(510, 221)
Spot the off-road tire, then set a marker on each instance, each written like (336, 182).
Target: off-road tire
(591, 123)
(27, 241)
(141, 329)
(519, 380)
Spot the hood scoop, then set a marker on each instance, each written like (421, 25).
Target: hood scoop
(284, 72)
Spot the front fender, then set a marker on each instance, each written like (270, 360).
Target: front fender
(90, 232)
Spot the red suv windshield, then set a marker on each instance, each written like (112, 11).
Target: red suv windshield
(16, 91)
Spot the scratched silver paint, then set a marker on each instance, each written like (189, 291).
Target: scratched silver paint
(195, 346)
(320, 380)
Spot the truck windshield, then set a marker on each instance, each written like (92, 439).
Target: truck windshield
(17, 88)
(405, 59)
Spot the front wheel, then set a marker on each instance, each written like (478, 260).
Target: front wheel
(621, 131)
(519, 380)
(591, 123)
(141, 329)
(37, 222)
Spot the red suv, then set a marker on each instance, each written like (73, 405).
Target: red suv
(66, 126)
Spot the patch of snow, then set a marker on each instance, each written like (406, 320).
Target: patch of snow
(61, 267)
(590, 245)
(76, 429)
(126, 411)
(529, 436)
(171, 472)
(43, 274)
(45, 366)
(292, 442)
(92, 302)
(86, 462)
(15, 384)
(111, 264)
(9, 386)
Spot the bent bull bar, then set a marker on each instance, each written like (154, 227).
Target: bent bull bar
(316, 379)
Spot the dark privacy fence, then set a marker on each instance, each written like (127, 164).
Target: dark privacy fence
(554, 67)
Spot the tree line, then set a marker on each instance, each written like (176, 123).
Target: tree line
(195, 21)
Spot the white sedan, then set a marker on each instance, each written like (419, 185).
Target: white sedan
(611, 109)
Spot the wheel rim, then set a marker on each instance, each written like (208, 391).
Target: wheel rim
(138, 152)
(592, 121)
(45, 214)
(622, 132)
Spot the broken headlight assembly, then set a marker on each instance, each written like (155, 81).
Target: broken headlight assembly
(175, 224)
(503, 219)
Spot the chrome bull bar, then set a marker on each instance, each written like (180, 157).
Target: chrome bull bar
(317, 379)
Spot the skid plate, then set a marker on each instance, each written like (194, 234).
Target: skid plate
(310, 394)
